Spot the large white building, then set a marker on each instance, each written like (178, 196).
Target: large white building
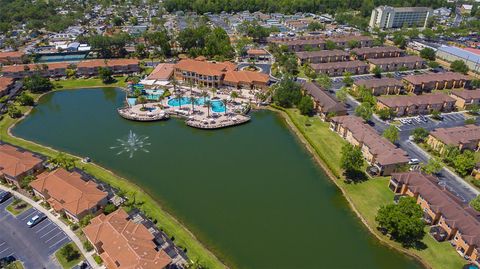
(385, 17)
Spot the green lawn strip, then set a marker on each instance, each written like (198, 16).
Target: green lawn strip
(90, 82)
(17, 211)
(183, 238)
(63, 261)
(15, 265)
(368, 196)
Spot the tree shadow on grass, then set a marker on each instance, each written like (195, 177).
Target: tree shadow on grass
(355, 176)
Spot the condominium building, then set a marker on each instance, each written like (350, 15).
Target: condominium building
(463, 137)
(385, 17)
(406, 105)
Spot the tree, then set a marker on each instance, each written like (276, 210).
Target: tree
(434, 166)
(364, 110)
(475, 203)
(25, 182)
(142, 100)
(433, 64)
(85, 220)
(464, 163)
(402, 221)
(25, 99)
(37, 84)
(399, 40)
(391, 133)
(420, 134)
(475, 83)
(428, 53)
(353, 44)
(61, 159)
(352, 159)
(386, 113)
(309, 72)
(208, 104)
(140, 50)
(459, 66)
(109, 208)
(324, 81)
(315, 26)
(14, 112)
(377, 71)
(105, 74)
(287, 93)
(306, 105)
(342, 94)
(474, 109)
(347, 79)
(193, 101)
(330, 45)
(69, 252)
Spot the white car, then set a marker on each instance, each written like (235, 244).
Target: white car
(413, 161)
(36, 220)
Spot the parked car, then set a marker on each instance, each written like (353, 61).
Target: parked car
(36, 219)
(413, 162)
(5, 196)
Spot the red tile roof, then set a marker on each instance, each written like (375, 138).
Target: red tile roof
(32, 67)
(162, 71)
(434, 77)
(246, 77)
(107, 62)
(424, 99)
(125, 244)
(457, 135)
(204, 67)
(12, 54)
(467, 94)
(67, 190)
(15, 162)
(5, 82)
(257, 52)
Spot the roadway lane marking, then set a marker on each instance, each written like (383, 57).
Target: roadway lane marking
(53, 236)
(59, 241)
(43, 227)
(54, 228)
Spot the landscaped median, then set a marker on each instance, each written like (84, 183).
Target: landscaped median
(366, 197)
(69, 255)
(183, 238)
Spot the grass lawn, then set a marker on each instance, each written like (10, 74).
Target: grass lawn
(368, 196)
(90, 82)
(15, 265)
(17, 207)
(183, 238)
(63, 261)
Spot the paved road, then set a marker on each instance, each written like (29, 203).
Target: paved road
(64, 228)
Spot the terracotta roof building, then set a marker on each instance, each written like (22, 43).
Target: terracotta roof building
(377, 150)
(5, 84)
(463, 137)
(450, 218)
(258, 55)
(162, 72)
(339, 68)
(11, 57)
(123, 244)
(343, 41)
(322, 56)
(69, 192)
(377, 52)
(380, 86)
(304, 43)
(414, 105)
(118, 66)
(436, 81)
(466, 98)
(397, 63)
(45, 70)
(212, 74)
(16, 163)
(325, 104)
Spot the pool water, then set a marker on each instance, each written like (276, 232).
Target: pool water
(132, 101)
(154, 95)
(217, 105)
(61, 58)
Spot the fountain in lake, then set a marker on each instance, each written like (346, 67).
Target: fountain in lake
(132, 144)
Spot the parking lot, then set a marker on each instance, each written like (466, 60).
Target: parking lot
(33, 246)
(449, 120)
(338, 81)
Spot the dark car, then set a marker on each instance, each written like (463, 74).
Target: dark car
(5, 196)
(6, 261)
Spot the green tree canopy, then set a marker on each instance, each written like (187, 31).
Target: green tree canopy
(306, 105)
(37, 84)
(420, 134)
(287, 93)
(459, 66)
(352, 158)
(428, 53)
(391, 133)
(475, 203)
(364, 110)
(433, 166)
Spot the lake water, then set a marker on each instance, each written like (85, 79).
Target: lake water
(251, 193)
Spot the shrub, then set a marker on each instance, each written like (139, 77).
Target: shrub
(87, 245)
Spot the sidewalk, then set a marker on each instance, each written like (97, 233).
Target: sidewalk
(58, 222)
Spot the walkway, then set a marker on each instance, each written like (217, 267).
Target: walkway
(58, 222)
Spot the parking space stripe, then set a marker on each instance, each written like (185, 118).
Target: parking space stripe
(44, 227)
(2, 244)
(59, 241)
(34, 211)
(5, 250)
(54, 228)
(54, 236)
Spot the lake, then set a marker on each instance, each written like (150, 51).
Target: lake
(252, 193)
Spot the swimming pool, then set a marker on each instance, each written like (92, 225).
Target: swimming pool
(132, 101)
(217, 105)
(154, 94)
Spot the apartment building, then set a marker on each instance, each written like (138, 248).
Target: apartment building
(124, 244)
(436, 81)
(322, 56)
(466, 98)
(6, 83)
(69, 192)
(343, 41)
(334, 69)
(385, 17)
(16, 163)
(417, 105)
(379, 86)
(50, 70)
(118, 66)
(11, 57)
(325, 104)
(397, 63)
(463, 137)
(376, 52)
(377, 150)
(448, 217)
(258, 55)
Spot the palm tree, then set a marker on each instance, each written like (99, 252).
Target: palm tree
(193, 101)
(174, 83)
(190, 83)
(178, 96)
(204, 94)
(225, 102)
(208, 104)
(142, 100)
(234, 95)
(213, 90)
